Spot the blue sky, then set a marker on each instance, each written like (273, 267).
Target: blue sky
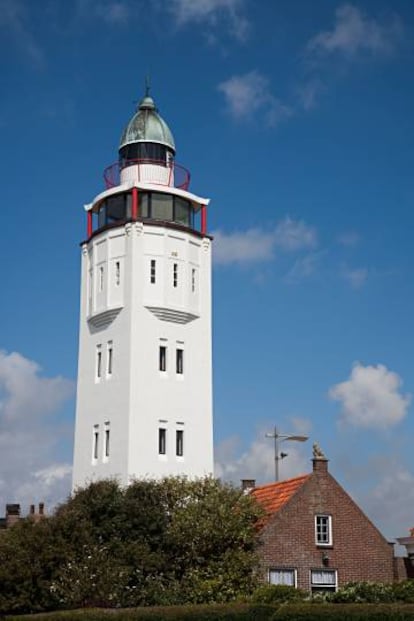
(296, 119)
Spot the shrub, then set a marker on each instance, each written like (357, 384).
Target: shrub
(366, 592)
(404, 591)
(277, 593)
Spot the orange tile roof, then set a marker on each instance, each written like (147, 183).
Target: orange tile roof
(273, 496)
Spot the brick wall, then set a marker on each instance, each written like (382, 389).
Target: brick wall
(358, 552)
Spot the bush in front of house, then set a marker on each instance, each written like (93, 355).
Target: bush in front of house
(277, 593)
(367, 592)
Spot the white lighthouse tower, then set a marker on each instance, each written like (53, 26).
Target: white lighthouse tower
(144, 392)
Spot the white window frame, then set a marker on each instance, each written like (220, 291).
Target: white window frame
(318, 531)
(109, 359)
(98, 367)
(95, 444)
(153, 271)
(162, 441)
(107, 441)
(179, 361)
(162, 358)
(284, 570)
(328, 586)
(179, 444)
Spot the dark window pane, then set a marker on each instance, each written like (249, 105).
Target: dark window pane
(163, 358)
(161, 206)
(181, 211)
(116, 208)
(162, 441)
(179, 443)
(102, 216)
(143, 202)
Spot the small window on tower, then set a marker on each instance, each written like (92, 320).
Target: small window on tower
(106, 441)
(162, 441)
(101, 278)
(193, 279)
(179, 442)
(98, 362)
(179, 361)
(110, 358)
(175, 274)
(117, 273)
(162, 358)
(153, 272)
(95, 442)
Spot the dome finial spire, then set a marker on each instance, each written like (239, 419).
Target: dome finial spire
(147, 85)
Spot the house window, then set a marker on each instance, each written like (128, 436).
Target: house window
(175, 274)
(98, 362)
(179, 442)
(153, 271)
(162, 364)
(95, 446)
(162, 441)
(179, 361)
(323, 530)
(117, 273)
(323, 580)
(193, 279)
(106, 440)
(282, 576)
(110, 358)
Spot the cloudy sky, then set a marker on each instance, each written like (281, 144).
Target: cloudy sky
(296, 118)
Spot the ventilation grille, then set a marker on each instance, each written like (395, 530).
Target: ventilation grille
(169, 314)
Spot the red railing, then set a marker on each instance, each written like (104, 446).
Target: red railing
(160, 173)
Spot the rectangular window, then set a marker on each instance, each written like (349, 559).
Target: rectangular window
(98, 362)
(162, 441)
(162, 365)
(175, 274)
(282, 576)
(179, 442)
(110, 358)
(323, 580)
(161, 206)
(323, 530)
(153, 272)
(179, 361)
(117, 273)
(193, 279)
(95, 448)
(101, 278)
(106, 441)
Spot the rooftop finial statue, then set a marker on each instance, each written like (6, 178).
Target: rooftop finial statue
(317, 451)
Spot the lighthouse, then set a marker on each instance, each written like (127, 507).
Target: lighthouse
(144, 388)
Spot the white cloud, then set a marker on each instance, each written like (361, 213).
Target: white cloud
(249, 94)
(371, 397)
(304, 267)
(355, 33)
(211, 12)
(309, 92)
(258, 461)
(255, 245)
(31, 431)
(355, 277)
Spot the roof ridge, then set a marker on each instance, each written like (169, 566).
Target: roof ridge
(277, 483)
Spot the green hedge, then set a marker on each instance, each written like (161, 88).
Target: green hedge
(219, 612)
(238, 612)
(345, 612)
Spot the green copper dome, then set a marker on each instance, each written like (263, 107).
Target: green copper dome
(147, 126)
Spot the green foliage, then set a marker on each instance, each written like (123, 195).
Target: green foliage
(368, 592)
(164, 542)
(277, 593)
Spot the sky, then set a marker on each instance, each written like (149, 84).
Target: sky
(296, 118)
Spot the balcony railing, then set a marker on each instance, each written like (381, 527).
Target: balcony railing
(147, 171)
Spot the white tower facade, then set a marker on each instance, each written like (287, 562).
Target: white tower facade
(144, 391)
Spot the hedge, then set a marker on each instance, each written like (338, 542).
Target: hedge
(237, 612)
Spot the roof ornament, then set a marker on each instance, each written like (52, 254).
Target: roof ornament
(147, 85)
(317, 451)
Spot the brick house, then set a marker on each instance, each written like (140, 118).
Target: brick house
(315, 537)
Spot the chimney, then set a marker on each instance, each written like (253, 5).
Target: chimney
(320, 463)
(247, 485)
(12, 514)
